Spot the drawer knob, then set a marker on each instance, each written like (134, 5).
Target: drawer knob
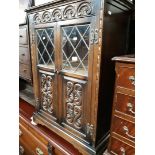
(21, 150)
(20, 132)
(122, 150)
(125, 128)
(130, 108)
(20, 36)
(50, 149)
(24, 70)
(23, 54)
(39, 151)
(132, 79)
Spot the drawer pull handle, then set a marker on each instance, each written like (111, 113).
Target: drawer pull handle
(23, 54)
(132, 79)
(39, 151)
(20, 36)
(25, 70)
(130, 108)
(125, 128)
(50, 149)
(21, 150)
(122, 150)
(20, 132)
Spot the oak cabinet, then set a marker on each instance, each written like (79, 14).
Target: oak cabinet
(72, 43)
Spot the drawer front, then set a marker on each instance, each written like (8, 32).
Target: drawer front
(36, 146)
(126, 77)
(24, 55)
(23, 39)
(24, 149)
(124, 128)
(125, 104)
(119, 148)
(24, 71)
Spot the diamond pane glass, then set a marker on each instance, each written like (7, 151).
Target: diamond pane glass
(45, 47)
(75, 48)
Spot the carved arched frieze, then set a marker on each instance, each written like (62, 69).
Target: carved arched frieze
(37, 18)
(57, 14)
(69, 12)
(64, 13)
(84, 9)
(46, 17)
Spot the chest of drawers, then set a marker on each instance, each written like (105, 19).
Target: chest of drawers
(122, 140)
(24, 54)
(38, 140)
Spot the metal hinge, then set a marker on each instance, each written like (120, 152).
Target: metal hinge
(94, 36)
(90, 129)
(37, 104)
(33, 41)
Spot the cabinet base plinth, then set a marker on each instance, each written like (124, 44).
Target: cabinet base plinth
(82, 146)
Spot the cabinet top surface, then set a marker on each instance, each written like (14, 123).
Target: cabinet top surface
(125, 58)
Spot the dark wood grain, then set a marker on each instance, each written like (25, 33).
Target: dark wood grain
(122, 139)
(83, 115)
(25, 70)
(34, 143)
(118, 147)
(118, 127)
(122, 104)
(124, 73)
(42, 133)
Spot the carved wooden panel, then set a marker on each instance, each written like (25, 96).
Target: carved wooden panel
(74, 103)
(47, 86)
(70, 11)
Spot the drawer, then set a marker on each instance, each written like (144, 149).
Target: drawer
(24, 71)
(24, 55)
(24, 149)
(118, 147)
(23, 38)
(124, 128)
(126, 77)
(125, 104)
(23, 123)
(35, 146)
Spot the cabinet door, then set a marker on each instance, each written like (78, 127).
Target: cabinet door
(75, 73)
(46, 64)
(45, 48)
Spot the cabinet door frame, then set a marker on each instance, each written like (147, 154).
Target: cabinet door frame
(62, 75)
(37, 69)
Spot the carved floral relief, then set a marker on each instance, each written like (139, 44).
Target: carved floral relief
(74, 104)
(47, 93)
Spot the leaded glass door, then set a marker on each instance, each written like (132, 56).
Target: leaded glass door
(46, 66)
(75, 49)
(76, 54)
(45, 47)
